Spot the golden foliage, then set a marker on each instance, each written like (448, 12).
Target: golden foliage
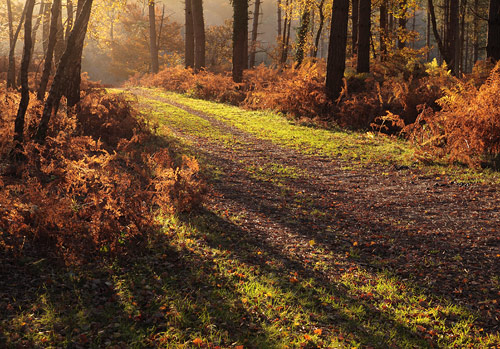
(467, 129)
(97, 184)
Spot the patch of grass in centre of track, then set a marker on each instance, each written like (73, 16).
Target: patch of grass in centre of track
(357, 147)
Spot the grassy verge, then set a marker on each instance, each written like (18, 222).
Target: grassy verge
(357, 148)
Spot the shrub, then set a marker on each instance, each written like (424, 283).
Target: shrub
(467, 129)
(97, 184)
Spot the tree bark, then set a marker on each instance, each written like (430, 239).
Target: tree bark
(74, 68)
(402, 21)
(337, 49)
(69, 25)
(454, 36)
(71, 55)
(11, 71)
(475, 55)
(199, 34)
(189, 36)
(60, 42)
(255, 33)
(441, 47)
(280, 34)
(364, 34)
(355, 25)
(383, 30)
(240, 38)
(320, 27)
(25, 93)
(50, 50)
(493, 46)
(302, 34)
(153, 49)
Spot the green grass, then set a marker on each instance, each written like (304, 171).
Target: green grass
(358, 148)
(202, 281)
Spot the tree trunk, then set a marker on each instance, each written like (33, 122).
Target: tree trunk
(11, 70)
(153, 49)
(74, 68)
(383, 30)
(50, 50)
(463, 10)
(302, 34)
(355, 26)
(63, 76)
(428, 37)
(441, 46)
(493, 46)
(240, 38)
(402, 26)
(69, 25)
(189, 39)
(37, 26)
(337, 49)
(320, 28)
(475, 55)
(286, 42)
(280, 34)
(255, 33)
(46, 27)
(25, 93)
(199, 34)
(364, 34)
(454, 36)
(60, 42)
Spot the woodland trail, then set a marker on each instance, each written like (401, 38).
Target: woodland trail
(318, 217)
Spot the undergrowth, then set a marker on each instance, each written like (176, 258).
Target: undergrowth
(444, 116)
(96, 185)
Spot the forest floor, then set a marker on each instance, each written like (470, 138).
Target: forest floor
(306, 238)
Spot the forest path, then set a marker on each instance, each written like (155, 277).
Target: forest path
(322, 216)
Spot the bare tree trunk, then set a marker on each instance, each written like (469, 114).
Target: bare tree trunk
(25, 93)
(46, 26)
(441, 46)
(189, 39)
(50, 50)
(240, 38)
(402, 21)
(280, 34)
(286, 41)
(74, 68)
(355, 26)
(69, 25)
(199, 34)
(255, 33)
(463, 10)
(71, 56)
(11, 71)
(37, 26)
(153, 49)
(428, 37)
(320, 28)
(476, 32)
(364, 34)
(383, 30)
(493, 46)
(337, 49)
(60, 42)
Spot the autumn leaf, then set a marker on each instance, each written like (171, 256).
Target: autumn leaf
(307, 337)
(198, 341)
(318, 331)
